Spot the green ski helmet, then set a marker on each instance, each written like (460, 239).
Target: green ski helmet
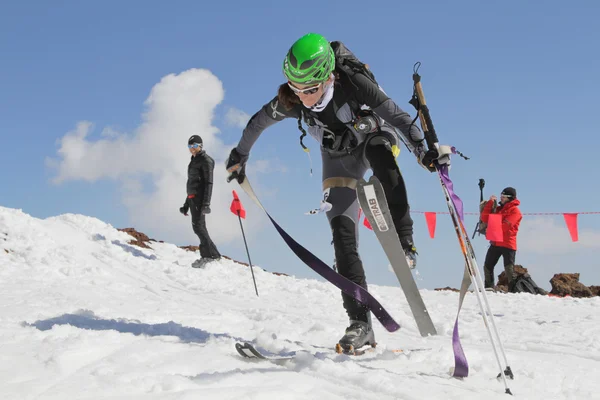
(309, 60)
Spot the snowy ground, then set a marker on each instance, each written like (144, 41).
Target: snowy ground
(84, 315)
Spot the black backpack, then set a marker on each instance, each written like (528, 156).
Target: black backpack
(347, 65)
(346, 62)
(524, 284)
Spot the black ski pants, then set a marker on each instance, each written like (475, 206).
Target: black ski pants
(340, 176)
(491, 259)
(207, 247)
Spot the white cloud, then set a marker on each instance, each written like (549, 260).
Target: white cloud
(109, 132)
(547, 235)
(179, 106)
(238, 118)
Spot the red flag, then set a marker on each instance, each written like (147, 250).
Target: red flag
(236, 206)
(431, 218)
(571, 220)
(365, 221)
(494, 228)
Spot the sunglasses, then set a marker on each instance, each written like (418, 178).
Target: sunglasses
(194, 146)
(307, 91)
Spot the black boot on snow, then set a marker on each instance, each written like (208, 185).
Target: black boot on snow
(201, 262)
(358, 334)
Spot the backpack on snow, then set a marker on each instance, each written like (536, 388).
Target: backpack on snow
(524, 284)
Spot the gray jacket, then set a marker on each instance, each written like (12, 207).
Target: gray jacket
(350, 95)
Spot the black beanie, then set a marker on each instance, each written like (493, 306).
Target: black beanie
(195, 139)
(510, 192)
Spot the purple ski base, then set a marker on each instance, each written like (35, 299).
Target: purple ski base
(461, 365)
(458, 204)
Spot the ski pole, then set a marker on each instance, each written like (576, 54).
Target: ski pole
(418, 101)
(247, 252)
(238, 209)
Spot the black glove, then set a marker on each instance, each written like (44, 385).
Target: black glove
(426, 157)
(205, 210)
(439, 155)
(236, 166)
(185, 208)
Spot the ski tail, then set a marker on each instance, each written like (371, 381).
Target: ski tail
(371, 197)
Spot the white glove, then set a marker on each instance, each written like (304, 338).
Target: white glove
(445, 152)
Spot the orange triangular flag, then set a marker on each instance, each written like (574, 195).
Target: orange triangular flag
(571, 220)
(431, 218)
(236, 206)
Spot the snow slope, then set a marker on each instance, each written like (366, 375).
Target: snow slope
(85, 315)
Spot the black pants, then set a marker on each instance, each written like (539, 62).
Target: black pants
(348, 261)
(207, 247)
(383, 164)
(491, 259)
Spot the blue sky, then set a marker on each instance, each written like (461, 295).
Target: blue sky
(97, 101)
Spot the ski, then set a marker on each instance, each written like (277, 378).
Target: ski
(248, 351)
(373, 203)
(345, 285)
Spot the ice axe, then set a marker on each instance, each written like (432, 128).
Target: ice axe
(481, 186)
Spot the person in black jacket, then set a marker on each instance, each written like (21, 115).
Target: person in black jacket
(199, 192)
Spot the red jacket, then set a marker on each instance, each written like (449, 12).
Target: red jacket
(511, 218)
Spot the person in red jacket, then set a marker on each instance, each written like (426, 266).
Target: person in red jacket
(507, 248)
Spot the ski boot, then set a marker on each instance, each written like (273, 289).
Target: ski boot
(358, 334)
(203, 262)
(199, 263)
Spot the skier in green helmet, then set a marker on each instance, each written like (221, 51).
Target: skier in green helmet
(358, 128)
